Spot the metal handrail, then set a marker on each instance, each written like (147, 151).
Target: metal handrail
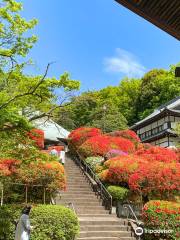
(102, 190)
(128, 206)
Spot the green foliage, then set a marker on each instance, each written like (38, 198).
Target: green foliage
(158, 87)
(162, 215)
(14, 39)
(118, 193)
(132, 100)
(94, 162)
(49, 221)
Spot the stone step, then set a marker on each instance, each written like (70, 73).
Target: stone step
(77, 204)
(102, 221)
(81, 201)
(91, 215)
(97, 238)
(76, 194)
(105, 234)
(106, 238)
(104, 228)
(82, 212)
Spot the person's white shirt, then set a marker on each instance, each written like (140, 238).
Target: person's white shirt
(62, 157)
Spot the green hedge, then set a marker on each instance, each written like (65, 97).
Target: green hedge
(118, 193)
(49, 221)
(159, 216)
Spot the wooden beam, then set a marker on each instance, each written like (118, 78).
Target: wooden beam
(164, 25)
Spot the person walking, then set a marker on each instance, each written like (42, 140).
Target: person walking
(62, 157)
(23, 227)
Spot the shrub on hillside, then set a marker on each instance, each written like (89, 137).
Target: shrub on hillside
(49, 221)
(94, 162)
(118, 193)
(156, 153)
(114, 153)
(156, 179)
(37, 136)
(80, 135)
(128, 134)
(119, 169)
(162, 215)
(100, 145)
(50, 175)
(152, 179)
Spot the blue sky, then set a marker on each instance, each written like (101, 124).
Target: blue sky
(97, 41)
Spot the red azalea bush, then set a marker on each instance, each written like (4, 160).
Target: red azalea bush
(80, 135)
(114, 153)
(156, 179)
(150, 179)
(37, 136)
(162, 215)
(119, 169)
(156, 153)
(100, 145)
(8, 166)
(128, 134)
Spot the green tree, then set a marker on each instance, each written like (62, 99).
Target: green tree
(108, 118)
(15, 40)
(23, 96)
(158, 87)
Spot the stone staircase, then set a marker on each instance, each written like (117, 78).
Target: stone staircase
(95, 222)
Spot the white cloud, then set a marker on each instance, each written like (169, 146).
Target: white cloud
(124, 62)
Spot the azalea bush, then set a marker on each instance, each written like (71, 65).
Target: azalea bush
(150, 179)
(114, 153)
(162, 215)
(80, 135)
(100, 145)
(37, 136)
(128, 134)
(156, 153)
(119, 169)
(22, 162)
(156, 179)
(49, 221)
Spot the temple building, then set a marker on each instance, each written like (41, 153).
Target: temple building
(158, 127)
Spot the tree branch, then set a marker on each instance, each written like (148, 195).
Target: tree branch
(30, 92)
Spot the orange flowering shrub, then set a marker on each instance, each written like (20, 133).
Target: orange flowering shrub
(8, 167)
(37, 136)
(128, 134)
(119, 169)
(80, 135)
(156, 153)
(100, 145)
(50, 175)
(162, 215)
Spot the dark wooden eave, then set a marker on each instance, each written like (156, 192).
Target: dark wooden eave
(165, 14)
